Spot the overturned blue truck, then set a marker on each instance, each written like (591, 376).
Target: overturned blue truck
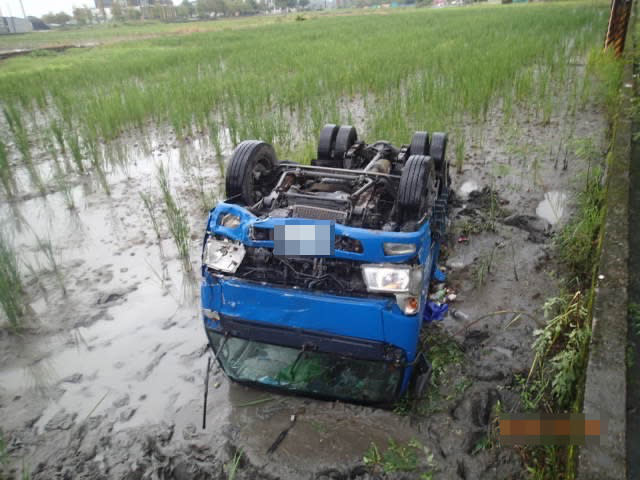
(315, 277)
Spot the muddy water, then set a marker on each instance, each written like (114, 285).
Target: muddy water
(107, 382)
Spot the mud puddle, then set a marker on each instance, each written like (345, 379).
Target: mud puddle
(108, 382)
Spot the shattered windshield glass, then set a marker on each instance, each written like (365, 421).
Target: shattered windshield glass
(305, 371)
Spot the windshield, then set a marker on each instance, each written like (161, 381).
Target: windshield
(306, 371)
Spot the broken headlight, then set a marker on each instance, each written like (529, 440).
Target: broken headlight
(230, 220)
(392, 278)
(223, 254)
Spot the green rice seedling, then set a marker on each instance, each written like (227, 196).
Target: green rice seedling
(149, 205)
(95, 156)
(64, 187)
(21, 137)
(176, 219)
(214, 136)
(59, 136)
(76, 152)
(46, 248)
(12, 293)
(459, 150)
(6, 172)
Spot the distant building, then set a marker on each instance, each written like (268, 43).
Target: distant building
(38, 24)
(14, 25)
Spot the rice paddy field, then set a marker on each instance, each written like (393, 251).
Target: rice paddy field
(111, 155)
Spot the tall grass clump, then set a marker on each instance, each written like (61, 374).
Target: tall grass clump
(12, 293)
(607, 69)
(578, 242)
(176, 219)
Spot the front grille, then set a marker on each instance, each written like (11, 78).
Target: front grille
(331, 275)
(306, 211)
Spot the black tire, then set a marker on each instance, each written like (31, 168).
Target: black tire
(326, 145)
(438, 149)
(251, 171)
(419, 144)
(415, 192)
(346, 137)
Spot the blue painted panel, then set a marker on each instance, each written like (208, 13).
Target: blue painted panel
(371, 240)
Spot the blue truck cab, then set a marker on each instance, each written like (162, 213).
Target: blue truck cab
(315, 277)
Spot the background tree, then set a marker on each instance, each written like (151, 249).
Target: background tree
(100, 5)
(116, 11)
(185, 9)
(132, 13)
(303, 3)
(59, 18)
(82, 15)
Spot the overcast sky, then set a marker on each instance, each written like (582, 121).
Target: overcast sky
(38, 8)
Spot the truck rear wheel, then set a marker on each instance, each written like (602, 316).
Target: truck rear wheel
(326, 146)
(346, 137)
(438, 149)
(251, 171)
(419, 144)
(416, 190)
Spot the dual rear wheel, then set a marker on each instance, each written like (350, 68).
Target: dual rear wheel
(334, 143)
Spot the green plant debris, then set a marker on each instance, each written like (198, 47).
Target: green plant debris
(232, 467)
(259, 401)
(398, 457)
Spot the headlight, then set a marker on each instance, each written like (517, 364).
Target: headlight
(224, 255)
(399, 248)
(392, 278)
(230, 220)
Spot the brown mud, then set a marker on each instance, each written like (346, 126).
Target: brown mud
(106, 381)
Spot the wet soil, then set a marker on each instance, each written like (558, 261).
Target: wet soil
(106, 380)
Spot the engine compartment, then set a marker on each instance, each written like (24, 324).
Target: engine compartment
(363, 195)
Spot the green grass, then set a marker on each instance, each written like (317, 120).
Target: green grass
(280, 81)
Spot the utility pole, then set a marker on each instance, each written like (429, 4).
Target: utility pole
(618, 23)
